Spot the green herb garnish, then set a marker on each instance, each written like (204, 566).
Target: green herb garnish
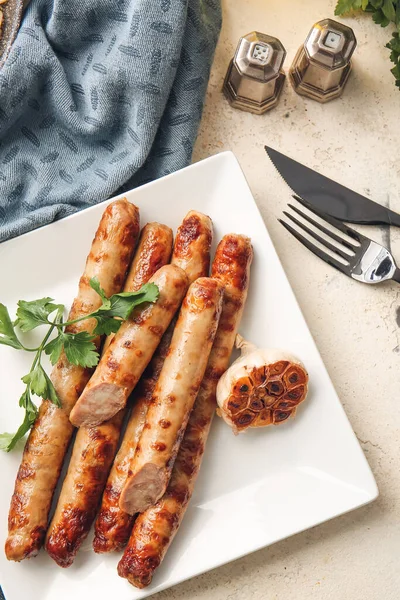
(383, 13)
(79, 348)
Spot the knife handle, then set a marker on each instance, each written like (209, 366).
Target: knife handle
(393, 218)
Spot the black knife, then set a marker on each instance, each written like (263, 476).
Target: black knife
(329, 196)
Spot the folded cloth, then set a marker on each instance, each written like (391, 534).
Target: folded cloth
(97, 97)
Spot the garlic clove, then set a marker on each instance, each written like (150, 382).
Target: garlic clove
(262, 387)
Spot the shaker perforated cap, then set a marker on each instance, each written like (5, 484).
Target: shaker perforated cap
(259, 56)
(330, 44)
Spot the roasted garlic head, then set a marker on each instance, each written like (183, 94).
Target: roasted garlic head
(262, 387)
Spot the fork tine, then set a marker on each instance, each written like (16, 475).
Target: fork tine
(317, 237)
(328, 232)
(317, 251)
(338, 224)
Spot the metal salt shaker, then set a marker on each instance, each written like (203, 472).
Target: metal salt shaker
(254, 79)
(322, 65)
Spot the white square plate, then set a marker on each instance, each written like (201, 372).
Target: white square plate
(254, 489)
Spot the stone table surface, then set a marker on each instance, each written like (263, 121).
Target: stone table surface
(355, 140)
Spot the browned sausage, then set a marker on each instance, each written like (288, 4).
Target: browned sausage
(95, 448)
(153, 252)
(47, 444)
(113, 525)
(174, 395)
(192, 245)
(155, 529)
(124, 361)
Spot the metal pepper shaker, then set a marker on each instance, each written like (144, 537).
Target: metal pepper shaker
(254, 79)
(322, 65)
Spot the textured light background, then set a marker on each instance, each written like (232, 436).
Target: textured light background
(355, 140)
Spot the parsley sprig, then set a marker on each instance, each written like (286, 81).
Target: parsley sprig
(79, 348)
(383, 12)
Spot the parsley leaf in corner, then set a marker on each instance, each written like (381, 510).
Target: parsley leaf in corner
(344, 7)
(383, 13)
(394, 46)
(389, 10)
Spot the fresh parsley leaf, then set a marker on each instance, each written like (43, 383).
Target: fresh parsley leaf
(36, 381)
(394, 43)
(26, 402)
(396, 71)
(54, 348)
(34, 313)
(383, 12)
(106, 325)
(51, 393)
(95, 284)
(346, 6)
(122, 305)
(8, 440)
(7, 333)
(376, 3)
(389, 10)
(80, 349)
(380, 19)
(39, 383)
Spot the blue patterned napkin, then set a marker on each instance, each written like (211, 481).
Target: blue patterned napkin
(98, 96)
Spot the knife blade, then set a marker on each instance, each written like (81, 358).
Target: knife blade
(329, 196)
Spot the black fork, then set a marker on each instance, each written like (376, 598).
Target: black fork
(357, 256)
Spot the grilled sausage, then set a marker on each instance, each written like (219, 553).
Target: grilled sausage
(192, 245)
(113, 525)
(174, 396)
(49, 438)
(95, 448)
(123, 363)
(155, 529)
(153, 252)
